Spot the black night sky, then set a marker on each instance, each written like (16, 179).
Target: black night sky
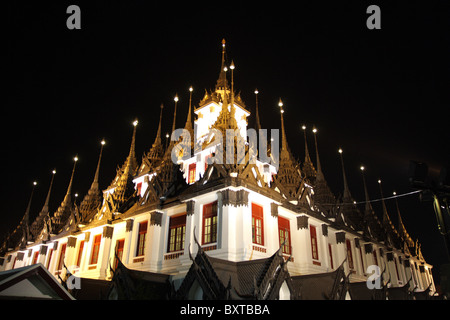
(380, 95)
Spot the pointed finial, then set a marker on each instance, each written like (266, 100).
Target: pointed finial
(232, 109)
(188, 125)
(222, 81)
(283, 132)
(158, 133)
(44, 209)
(26, 218)
(133, 141)
(319, 167)
(307, 158)
(103, 142)
(258, 123)
(366, 193)
(132, 155)
(347, 194)
(385, 213)
(69, 189)
(175, 112)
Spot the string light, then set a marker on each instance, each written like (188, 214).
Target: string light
(388, 198)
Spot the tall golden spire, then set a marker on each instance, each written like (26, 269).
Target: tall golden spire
(387, 223)
(232, 108)
(158, 133)
(188, 125)
(123, 184)
(322, 193)
(38, 223)
(347, 197)
(368, 208)
(175, 113)
(65, 209)
(69, 188)
(386, 218)
(284, 145)
(44, 210)
(403, 233)
(222, 81)
(319, 167)
(308, 167)
(92, 200)
(25, 222)
(156, 152)
(288, 178)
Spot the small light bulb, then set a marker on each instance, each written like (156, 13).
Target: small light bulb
(340, 150)
(280, 103)
(191, 89)
(256, 91)
(314, 130)
(362, 168)
(303, 127)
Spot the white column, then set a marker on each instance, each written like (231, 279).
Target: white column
(341, 251)
(105, 249)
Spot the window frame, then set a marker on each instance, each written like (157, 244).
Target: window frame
(350, 261)
(96, 242)
(177, 233)
(212, 224)
(80, 253)
(192, 170)
(141, 238)
(62, 255)
(284, 228)
(118, 250)
(257, 216)
(314, 242)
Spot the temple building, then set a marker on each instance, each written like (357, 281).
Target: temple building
(213, 216)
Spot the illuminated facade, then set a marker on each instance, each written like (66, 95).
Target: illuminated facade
(204, 227)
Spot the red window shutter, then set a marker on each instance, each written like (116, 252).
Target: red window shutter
(61, 256)
(257, 224)
(284, 233)
(118, 251)
(95, 249)
(192, 168)
(140, 249)
(49, 258)
(35, 257)
(314, 245)
(138, 188)
(80, 253)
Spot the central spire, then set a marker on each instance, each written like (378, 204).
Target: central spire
(222, 81)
